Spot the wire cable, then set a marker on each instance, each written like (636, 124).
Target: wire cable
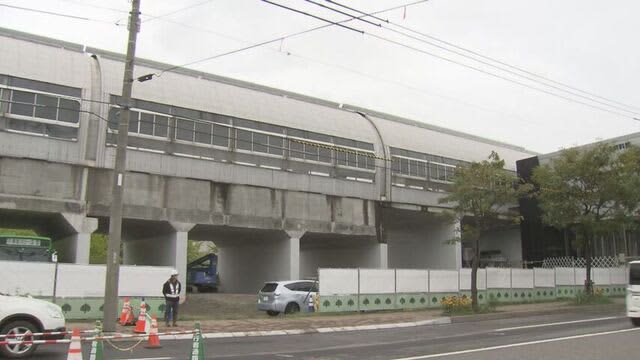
(152, 18)
(507, 70)
(483, 56)
(493, 74)
(343, 13)
(281, 38)
(58, 14)
(313, 16)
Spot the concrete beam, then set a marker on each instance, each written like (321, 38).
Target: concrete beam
(165, 248)
(74, 244)
(294, 253)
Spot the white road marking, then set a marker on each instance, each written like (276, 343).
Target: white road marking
(155, 358)
(557, 323)
(515, 345)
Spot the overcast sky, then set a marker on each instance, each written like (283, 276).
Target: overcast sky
(590, 45)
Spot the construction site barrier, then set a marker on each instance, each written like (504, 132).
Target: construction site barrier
(94, 338)
(50, 333)
(96, 353)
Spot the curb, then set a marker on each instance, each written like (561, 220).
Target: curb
(437, 321)
(506, 314)
(220, 335)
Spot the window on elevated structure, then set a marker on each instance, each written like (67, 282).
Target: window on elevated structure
(422, 166)
(355, 158)
(205, 128)
(39, 108)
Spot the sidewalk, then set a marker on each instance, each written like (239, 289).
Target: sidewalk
(318, 322)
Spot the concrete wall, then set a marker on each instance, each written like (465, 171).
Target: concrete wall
(244, 265)
(419, 240)
(507, 241)
(360, 252)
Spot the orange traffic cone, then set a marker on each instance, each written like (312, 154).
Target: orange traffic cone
(154, 339)
(141, 324)
(126, 316)
(75, 348)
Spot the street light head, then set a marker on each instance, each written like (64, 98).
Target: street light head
(147, 77)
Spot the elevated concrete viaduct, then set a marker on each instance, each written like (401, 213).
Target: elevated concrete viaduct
(281, 182)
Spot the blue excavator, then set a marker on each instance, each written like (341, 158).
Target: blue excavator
(202, 274)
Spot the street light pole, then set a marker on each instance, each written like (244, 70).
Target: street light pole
(115, 221)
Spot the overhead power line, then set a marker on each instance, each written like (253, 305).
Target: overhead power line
(152, 18)
(493, 74)
(58, 14)
(278, 39)
(313, 16)
(505, 67)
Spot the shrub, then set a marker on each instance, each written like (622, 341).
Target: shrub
(597, 297)
(456, 304)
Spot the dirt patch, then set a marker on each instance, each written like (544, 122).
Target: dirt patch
(214, 306)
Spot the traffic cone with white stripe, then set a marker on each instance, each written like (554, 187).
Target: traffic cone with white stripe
(75, 348)
(126, 316)
(141, 324)
(154, 339)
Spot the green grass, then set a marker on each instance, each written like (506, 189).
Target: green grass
(592, 299)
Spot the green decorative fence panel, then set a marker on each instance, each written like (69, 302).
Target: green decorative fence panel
(412, 301)
(482, 295)
(566, 291)
(522, 295)
(499, 295)
(435, 299)
(338, 303)
(92, 308)
(370, 302)
(545, 293)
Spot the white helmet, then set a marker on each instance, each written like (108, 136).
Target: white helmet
(174, 272)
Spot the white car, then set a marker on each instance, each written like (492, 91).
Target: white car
(287, 297)
(21, 315)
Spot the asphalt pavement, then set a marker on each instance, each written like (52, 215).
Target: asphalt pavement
(583, 333)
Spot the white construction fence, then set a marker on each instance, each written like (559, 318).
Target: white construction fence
(380, 289)
(79, 289)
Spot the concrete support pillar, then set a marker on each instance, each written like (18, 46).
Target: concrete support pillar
(457, 234)
(180, 241)
(294, 253)
(74, 246)
(383, 256)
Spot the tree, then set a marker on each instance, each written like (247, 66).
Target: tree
(629, 205)
(98, 249)
(482, 193)
(591, 191)
(195, 250)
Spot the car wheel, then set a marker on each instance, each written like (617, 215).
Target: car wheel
(273, 313)
(635, 321)
(292, 308)
(19, 330)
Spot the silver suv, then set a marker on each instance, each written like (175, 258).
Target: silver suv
(287, 296)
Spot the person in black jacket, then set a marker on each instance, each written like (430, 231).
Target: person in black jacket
(171, 291)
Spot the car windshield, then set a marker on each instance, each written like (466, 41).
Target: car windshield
(269, 287)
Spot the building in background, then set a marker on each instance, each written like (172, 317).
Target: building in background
(282, 183)
(540, 241)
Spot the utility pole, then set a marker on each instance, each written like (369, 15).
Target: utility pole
(115, 221)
